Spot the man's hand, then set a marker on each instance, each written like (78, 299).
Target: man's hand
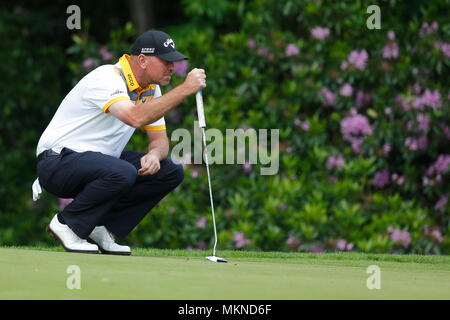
(195, 80)
(149, 164)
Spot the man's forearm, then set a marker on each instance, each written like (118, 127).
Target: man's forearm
(159, 148)
(155, 109)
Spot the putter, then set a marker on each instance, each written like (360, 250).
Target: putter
(202, 124)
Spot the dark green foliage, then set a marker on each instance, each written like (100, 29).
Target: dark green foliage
(254, 83)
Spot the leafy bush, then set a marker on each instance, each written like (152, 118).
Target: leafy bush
(353, 107)
(31, 87)
(362, 116)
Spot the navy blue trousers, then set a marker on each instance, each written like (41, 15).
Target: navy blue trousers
(107, 191)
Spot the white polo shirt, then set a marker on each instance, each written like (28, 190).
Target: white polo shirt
(83, 122)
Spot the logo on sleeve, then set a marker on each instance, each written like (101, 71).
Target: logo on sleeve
(117, 92)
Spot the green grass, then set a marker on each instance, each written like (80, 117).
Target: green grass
(41, 273)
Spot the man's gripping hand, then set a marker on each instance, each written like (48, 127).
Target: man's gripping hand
(149, 164)
(195, 80)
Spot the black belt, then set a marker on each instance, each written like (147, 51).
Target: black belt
(47, 153)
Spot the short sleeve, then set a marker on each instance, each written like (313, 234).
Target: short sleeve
(105, 87)
(159, 124)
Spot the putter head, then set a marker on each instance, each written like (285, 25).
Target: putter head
(216, 259)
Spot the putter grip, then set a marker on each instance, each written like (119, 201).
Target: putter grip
(200, 110)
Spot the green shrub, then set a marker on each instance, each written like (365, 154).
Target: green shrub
(363, 120)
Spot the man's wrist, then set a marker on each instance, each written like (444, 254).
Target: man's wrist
(157, 154)
(183, 90)
(154, 153)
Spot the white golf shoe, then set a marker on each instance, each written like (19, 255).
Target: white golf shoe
(105, 241)
(69, 240)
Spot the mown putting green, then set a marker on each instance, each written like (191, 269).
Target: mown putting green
(41, 273)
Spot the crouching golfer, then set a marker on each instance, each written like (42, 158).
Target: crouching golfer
(80, 154)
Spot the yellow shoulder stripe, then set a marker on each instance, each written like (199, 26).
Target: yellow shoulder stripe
(154, 128)
(110, 102)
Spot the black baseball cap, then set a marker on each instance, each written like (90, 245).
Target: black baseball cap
(157, 43)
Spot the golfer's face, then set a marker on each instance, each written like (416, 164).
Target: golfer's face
(159, 71)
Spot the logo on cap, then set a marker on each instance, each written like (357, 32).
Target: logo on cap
(148, 50)
(169, 42)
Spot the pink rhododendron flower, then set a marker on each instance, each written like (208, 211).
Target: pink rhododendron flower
(397, 179)
(344, 65)
(181, 67)
(201, 222)
(292, 50)
(440, 166)
(362, 98)
(346, 90)
(428, 29)
(251, 43)
(415, 144)
(354, 129)
(405, 103)
(89, 62)
(386, 149)
(337, 162)
(330, 97)
(434, 233)
(391, 35)
(315, 249)
(194, 173)
(358, 59)
(304, 125)
(240, 240)
(390, 50)
(423, 121)
(381, 178)
(445, 49)
(320, 33)
(342, 245)
(105, 54)
(417, 88)
(446, 130)
(430, 99)
(437, 235)
(402, 237)
(265, 52)
(441, 203)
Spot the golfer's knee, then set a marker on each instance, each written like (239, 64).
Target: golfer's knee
(123, 178)
(172, 173)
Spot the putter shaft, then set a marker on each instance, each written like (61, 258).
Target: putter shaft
(202, 124)
(210, 190)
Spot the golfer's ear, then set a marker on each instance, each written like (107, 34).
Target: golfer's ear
(143, 61)
(140, 60)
